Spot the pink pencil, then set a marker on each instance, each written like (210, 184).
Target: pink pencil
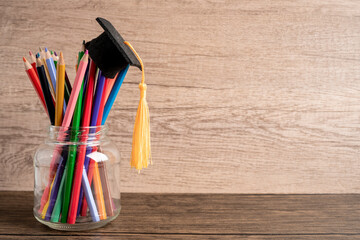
(75, 91)
(66, 122)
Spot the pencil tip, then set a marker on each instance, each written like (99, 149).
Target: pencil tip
(24, 59)
(61, 55)
(37, 55)
(30, 53)
(86, 52)
(55, 53)
(46, 50)
(40, 49)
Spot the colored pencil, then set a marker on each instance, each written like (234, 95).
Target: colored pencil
(53, 75)
(86, 122)
(66, 122)
(59, 90)
(70, 164)
(44, 211)
(43, 59)
(67, 83)
(55, 58)
(55, 216)
(46, 91)
(76, 89)
(34, 79)
(93, 166)
(110, 101)
(87, 114)
(51, 68)
(102, 165)
(76, 189)
(56, 186)
(67, 89)
(89, 197)
(86, 79)
(110, 84)
(95, 169)
(106, 189)
(101, 121)
(98, 192)
(33, 60)
(72, 155)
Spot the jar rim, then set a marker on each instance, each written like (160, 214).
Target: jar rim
(81, 128)
(77, 135)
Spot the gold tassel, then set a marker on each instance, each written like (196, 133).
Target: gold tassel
(141, 151)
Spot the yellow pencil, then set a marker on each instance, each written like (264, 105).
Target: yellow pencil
(60, 82)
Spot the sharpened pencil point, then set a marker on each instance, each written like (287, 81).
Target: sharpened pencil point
(46, 50)
(55, 53)
(24, 59)
(61, 59)
(37, 55)
(86, 52)
(30, 53)
(40, 49)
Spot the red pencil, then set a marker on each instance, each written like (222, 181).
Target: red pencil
(75, 193)
(34, 79)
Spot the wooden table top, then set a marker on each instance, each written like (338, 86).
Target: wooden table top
(202, 216)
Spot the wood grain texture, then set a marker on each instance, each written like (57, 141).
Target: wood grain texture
(179, 236)
(244, 96)
(202, 216)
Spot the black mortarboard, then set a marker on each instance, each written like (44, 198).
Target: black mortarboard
(109, 52)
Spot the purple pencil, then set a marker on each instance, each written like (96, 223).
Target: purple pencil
(56, 184)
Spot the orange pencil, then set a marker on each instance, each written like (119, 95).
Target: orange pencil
(109, 86)
(34, 79)
(98, 192)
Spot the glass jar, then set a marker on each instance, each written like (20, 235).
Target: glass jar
(77, 176)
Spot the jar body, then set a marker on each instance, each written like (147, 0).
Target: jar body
(77, 176)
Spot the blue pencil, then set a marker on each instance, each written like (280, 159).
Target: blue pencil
(52, 72)
(51, 67)
(89, 198)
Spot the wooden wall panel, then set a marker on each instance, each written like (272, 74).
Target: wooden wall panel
(245, 96)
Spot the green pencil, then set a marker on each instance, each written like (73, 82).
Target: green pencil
(70, 164)
(57, 207)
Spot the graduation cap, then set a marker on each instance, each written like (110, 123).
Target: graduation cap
(112, 54)
(109, 52)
